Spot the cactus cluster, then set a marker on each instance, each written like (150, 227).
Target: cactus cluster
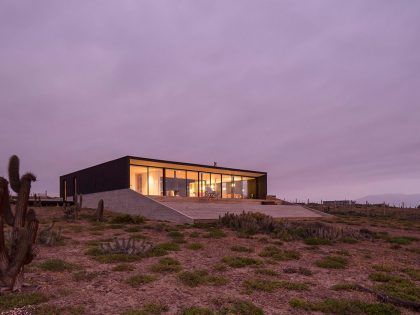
(24, 227)
(128, 247)
(71, 213)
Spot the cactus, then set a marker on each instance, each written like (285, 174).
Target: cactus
(80, 201)
(100, 211)
(128, 247)
(24, 227)
(48, 236)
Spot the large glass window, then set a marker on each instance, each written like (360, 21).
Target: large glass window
(205, 184)
(192, 184)
(249, 187)
(237, 187)
(216, 184)
(138, 179)
(155, 181)
(175, 183)
(226, 186)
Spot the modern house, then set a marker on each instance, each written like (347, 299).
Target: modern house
(173, 191)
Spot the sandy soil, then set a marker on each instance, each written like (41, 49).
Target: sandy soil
(109, 294)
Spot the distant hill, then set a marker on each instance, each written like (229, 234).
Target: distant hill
(392, 199)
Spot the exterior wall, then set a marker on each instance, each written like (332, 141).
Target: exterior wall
(129, 202)
(262, 187)
(108, 176)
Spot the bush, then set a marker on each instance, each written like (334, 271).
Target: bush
(237, 307)
(57, 265)
(332, 262)
(346, 286)
(123, 267)
(195, 310)
(213, 232)
(128, 219)
(249, 222)
(195, 246)
(270, 286)
(200, 277)
(279, 254)
(16, 300)
(166, 264)
(139, 280)
(148, 309)
(400, 288)
(345, 307)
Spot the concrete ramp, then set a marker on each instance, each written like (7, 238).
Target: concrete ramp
(189, 210)
(208, 211)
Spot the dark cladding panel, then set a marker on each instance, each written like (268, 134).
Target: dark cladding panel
(262, 187)
(103, 177)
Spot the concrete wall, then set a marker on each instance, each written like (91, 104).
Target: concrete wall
(129, 202)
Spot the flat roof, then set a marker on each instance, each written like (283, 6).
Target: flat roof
(209, 167)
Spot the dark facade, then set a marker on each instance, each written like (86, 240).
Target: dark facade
(159, 177)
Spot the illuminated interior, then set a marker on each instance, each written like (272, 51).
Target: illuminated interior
(190, 181)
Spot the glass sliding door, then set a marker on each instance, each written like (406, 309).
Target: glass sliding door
(155, 181)
(138, 179)
(205, 184)
(175, 183)
(216, 184)
(226, 186)
(192, 184)
(237, 187)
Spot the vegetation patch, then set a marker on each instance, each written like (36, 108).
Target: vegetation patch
(16, 300)
(345, 307)
(148, 309)
(132, 229)
(195, 246)
(167, 264)
(384, 277)
(123, 267)
(195, 310)
(413, 273)
(139, 280)
(168, 246)
(332, 262)
(214, 232)
(301, 271)
(279, 254)
(317, 241)
(83, 275)
(237, 307)
(128, 219)
(57, 265)
(239, 262)
(266, 272)
(200, 277)
(402, 240)
(383, 268)
(346, 286)
(270, 286)
(400, 288)
(241, 249)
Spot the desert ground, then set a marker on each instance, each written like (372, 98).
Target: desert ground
(215, 269)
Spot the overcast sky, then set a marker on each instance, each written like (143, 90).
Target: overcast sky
(323, 95)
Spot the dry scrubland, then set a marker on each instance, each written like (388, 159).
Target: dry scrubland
(295, 269)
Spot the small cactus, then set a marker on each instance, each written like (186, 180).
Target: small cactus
(128, 247)
(100, 211)
(48, 236)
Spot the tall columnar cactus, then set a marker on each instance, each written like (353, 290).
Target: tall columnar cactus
(24, 227)
(100, 211)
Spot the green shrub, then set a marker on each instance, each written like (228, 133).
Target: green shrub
(348, 240)
(16, 300)
(213, 232)
(166, 264)
(128, 219)
(382, 267)
(317, 241)
(346, 286)
(169, 246)
(194, 234)
(400, 288)
(57, 265)
(123, 267)
(239, 262)
(241, 249)
(237, 307)
(195, 310)
(413, 273)
(200, 277)
(195, 246)
(402, 240)
(345, 307)
(332, 262)
(270, 286)
(267, 272)
(249, 222)
(139, 280)
(83, 275)
(279, 254)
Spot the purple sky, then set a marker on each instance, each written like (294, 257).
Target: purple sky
(324, 95)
